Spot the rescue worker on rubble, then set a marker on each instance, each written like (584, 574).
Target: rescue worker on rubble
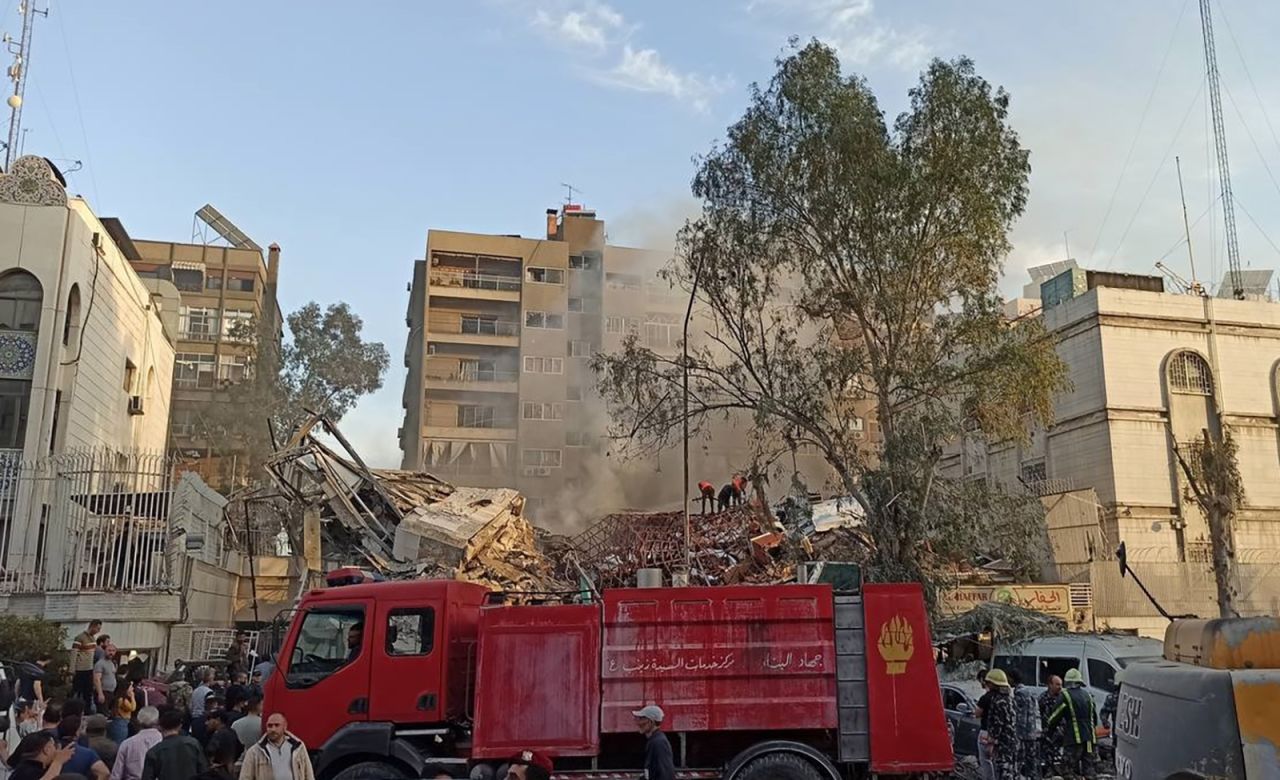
(739, 483)
(1079, 718)
(728, 497)
(707, 491)
(1002, 731)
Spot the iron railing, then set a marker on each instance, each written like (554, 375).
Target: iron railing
(95, 520)
(474, 281)
(472, 325)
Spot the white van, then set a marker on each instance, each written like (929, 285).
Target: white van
(1099, 657)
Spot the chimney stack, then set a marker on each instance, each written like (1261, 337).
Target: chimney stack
(553, 230)
(273, 262)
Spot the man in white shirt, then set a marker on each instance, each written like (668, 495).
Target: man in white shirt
(129, 758)
(202, 692)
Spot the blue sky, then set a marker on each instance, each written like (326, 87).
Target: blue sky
(345, 131)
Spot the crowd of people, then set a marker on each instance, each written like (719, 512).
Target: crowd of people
(1023, 737)
(106, 730)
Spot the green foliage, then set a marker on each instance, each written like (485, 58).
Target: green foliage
(29, 638)
(840, 260)
(324, 367)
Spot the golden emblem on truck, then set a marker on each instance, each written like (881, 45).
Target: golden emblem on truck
(896, 644)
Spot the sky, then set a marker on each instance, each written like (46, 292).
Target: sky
(344, 132)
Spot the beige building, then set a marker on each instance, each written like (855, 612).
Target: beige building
(499, 389)
(1151, 370)
(225, 291)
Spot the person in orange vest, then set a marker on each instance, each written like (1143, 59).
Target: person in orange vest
(739, 489)
(708, 493)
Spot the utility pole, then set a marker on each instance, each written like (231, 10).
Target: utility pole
(21, 51)
(1220, 146)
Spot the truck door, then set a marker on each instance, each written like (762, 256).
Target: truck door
(407, 648)
(324, 682)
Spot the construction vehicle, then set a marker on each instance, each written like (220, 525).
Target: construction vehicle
(797, 681)
(1210, 708)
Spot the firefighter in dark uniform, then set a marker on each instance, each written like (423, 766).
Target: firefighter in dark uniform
(1079, 718)
(1002, 728)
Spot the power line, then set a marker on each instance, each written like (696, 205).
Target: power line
(1259, 227)
(1248, 76)
(1138, 133)
(1163, 161)
(1265, 165)
(75, 93)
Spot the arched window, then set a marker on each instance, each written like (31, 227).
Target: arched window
(20, 298)
(71, 325)
(1189, 373)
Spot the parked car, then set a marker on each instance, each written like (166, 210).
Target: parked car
(1099, 657)
(156, 689)
(959, 702)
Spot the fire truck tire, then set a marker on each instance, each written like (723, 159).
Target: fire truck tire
(371, 770)
(779, 766)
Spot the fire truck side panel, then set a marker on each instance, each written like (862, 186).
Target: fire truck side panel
(537, 681)
(720, 659)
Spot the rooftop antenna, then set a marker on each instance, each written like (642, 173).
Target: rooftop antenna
(1220, 146)
(21, 51)
(569, 190)
(1194, 287)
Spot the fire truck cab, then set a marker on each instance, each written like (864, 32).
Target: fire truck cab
(386, 679)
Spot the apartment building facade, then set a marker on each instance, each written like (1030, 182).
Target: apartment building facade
(226, 291)
(499, 390)
(1150, 371)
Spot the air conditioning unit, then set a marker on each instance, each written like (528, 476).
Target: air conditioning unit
(537, 471)
(135, 405)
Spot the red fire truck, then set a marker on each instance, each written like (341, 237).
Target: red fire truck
(387, 679)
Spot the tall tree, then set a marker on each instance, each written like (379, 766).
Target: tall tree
(324, 366)
(837, 258)
(1214, 483)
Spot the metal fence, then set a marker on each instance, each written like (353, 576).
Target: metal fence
(93, 520)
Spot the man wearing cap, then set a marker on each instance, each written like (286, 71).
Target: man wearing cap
(1079, 718)
(659, 763)
(529, 765)
(1002, 732)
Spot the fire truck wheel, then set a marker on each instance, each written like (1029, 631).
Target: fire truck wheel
(779, 766)
(371, 770)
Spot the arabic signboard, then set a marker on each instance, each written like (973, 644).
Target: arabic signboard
(904, 702)
(1050, 599)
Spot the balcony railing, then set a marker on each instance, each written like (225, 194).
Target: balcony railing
(475, 326)
(439, 370)
(198, 335)
(472, 280)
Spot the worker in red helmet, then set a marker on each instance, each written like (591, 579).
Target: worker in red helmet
(529, 765)
(708, 493)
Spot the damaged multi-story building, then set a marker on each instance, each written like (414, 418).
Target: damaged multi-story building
(499, 391)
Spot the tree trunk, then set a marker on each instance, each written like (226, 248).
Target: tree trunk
(1222, 544)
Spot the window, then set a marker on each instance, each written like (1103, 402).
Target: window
(15, 395)
(20, 299)
(72, 322)
(581, 348)
(411, 631)
(1055, 666)
(544, 275)
(1102, 675)
(322, 644)
(544, 319)
(543, 365)
(588, 261)
(237, 325)
(240, 283)
(1189, 373)
(188, 279)
(577, 439)
(627, 325)
(213, 283)
(473, 370)
(475, 416)
(193, 370)
(535, 410)
(233, 368)
(544, 458)
(661, 330)
(622, 281)
(130, 375)
(1034, 471)
(952, 699)
(1024, 665)
(198, 323)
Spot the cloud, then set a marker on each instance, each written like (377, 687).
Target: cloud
(595, 34)
(594, 25)
(643, 70)
(852, 29)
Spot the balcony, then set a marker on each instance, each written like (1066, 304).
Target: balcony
(472, 433)
(465, 328)
(473, 285)
(453, 374)
(198, 335)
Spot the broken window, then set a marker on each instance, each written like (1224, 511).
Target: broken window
(544, 319)
(544, 275)
(475, 416)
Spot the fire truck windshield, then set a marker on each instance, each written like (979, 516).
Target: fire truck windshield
(328, 639)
